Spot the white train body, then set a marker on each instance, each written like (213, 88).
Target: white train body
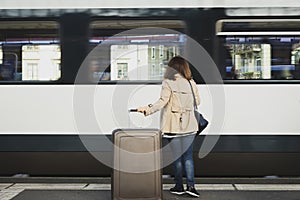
(254, 108)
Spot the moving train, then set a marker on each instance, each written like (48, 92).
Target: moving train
(68, 76)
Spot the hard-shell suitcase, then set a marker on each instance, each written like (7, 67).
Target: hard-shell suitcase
(137, 164)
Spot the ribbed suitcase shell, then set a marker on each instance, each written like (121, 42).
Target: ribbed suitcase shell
(126, 184)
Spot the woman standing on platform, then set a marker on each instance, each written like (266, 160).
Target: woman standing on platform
(178, 122)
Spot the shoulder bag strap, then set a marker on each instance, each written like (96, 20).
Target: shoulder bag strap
(195, 104)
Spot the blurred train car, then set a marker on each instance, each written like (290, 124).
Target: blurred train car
(69, 74)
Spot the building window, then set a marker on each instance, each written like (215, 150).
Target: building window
(31, 72)
(122, 71)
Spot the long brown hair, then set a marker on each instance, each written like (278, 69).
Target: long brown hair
(178, 65)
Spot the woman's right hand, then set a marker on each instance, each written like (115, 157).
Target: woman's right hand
(141, 110)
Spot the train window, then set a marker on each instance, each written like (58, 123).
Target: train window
(41, 62)
(121, 54)
(30, 51)
(271, 52)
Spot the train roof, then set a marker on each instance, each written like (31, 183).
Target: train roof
(88, 4)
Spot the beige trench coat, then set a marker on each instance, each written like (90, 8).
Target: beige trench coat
(177, 102)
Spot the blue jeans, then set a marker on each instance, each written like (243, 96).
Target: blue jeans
(182, 150)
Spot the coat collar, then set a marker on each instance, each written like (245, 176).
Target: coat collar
(178, 75)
